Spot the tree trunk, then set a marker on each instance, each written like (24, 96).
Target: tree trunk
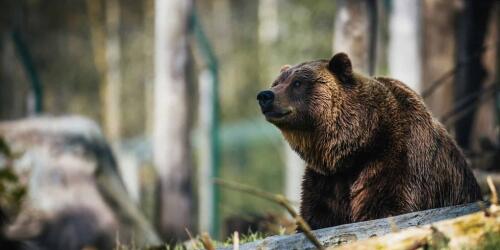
(13, 82)
(469, 77)
(438, 54)
(112, 91)
(295, 167)
(352, 33)
(149, 15)
(106, 50)
(404, 45)
(171, 128)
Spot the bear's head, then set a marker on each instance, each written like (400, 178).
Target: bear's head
(319, 107)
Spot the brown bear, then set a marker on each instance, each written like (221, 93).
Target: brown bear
(371, 146)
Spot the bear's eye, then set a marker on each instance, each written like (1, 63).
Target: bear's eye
(296, 84)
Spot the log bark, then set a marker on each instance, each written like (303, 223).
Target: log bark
(335, 236)
(480, 230)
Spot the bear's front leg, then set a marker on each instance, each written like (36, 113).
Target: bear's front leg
(325, 200)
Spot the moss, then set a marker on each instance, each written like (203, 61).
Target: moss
(438, 240)
(490, 241)
(473, 225)
(380, 247)
(12, 191)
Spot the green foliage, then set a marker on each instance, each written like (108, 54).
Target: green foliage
(307, 31)
(195, 243)
(245, 238)
(4, 148)
(437, 241)
(12, 192)
(491, 241)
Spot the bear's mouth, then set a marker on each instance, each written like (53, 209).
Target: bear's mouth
(276, 114)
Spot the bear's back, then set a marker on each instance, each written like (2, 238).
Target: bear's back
(439, 169)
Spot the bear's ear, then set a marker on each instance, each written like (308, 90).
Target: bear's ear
(340, 65)
(284, 68)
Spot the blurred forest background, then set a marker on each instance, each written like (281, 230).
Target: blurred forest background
(172, 85)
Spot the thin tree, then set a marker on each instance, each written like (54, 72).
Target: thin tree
(354, 32)
(112, 93)
(170, 125)
(471, 34)
(404, 46)
(438, 54)
(106, 50)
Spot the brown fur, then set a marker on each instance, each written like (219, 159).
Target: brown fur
(371, 147)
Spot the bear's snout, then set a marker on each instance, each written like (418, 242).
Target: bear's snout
(265, 99)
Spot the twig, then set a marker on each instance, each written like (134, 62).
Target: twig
(484, 208)
(117, 240)
(392, 223)
(494, 195)
(236, 241)
(427, 92)
(442, 79)
(467, 100)
(281, 200)
(457, 114)
(207, 242)
(193, 241)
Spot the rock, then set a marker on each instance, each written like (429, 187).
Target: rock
(75, 196)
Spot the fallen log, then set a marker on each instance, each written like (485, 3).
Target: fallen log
(480, 230)
(335, 236)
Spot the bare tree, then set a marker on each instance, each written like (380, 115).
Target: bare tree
(149, 15)
(112, 93)
(354, 33)
(438, 54)
(170, 126)
(106, 49)
(13, 82)
(470, 47)
(404, 45)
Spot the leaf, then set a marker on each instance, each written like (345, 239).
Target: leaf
(8, 175)
(4, 148)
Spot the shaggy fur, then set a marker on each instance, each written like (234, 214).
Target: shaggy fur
(372, 148)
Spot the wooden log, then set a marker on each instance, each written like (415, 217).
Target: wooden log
(479, 230)
(335, 236)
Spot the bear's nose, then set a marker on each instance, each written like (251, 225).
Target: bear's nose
(265, 98)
